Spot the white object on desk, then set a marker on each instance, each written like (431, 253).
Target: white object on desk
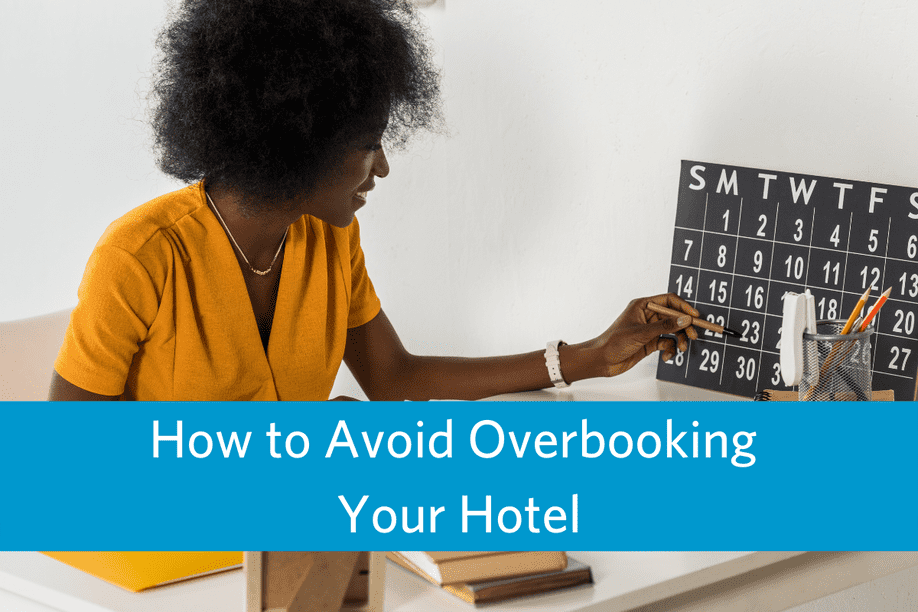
(810, 312)
(793, 324)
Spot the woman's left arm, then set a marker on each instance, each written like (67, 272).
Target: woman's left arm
(387, 371)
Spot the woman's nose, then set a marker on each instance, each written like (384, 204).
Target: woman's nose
(380, 164)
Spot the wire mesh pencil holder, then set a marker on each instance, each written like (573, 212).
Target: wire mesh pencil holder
(836, 368)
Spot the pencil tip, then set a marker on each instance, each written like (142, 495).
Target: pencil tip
(732, 332)
(887, 292)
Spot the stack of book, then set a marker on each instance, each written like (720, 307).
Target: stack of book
(480, 577)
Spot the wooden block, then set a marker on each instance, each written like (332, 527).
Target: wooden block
(359, 588)
(375, 585)
(314, 581)
(252, 568)
(779, 395)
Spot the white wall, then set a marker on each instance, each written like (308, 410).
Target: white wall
(551, 204)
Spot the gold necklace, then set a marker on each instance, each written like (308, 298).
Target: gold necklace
(236, 244)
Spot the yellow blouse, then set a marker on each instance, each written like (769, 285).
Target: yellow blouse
(164, 313)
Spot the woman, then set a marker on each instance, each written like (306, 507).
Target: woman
(250, 283)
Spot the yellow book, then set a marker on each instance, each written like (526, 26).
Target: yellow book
(136, 571)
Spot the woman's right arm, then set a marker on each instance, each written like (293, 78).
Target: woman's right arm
(63, 391)
(118, 300)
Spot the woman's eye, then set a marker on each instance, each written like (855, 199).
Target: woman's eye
(375, 147)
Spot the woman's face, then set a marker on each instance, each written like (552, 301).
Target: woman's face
(340, 194)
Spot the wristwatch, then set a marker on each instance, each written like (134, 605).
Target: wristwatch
(553, 362)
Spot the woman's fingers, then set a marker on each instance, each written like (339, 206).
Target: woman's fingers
(667, 346)
(671, 300)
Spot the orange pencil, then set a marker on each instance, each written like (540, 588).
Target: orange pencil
(857, 311)
(875, 309)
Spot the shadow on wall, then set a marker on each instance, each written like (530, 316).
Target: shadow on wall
(28, 348)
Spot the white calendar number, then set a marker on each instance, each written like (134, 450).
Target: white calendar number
(688, 247)
(761, 230)
(797, 266)
(746, 368)
(710, 362)
(912, 247)
(905, 322)
(719, 320)
(718, 293)
(750, 331)
(827, 313)
(875, 273)
(726, 219)
(757, 259)
(798, 235)
(829, 270)
(757, 298)
(722, 256)
(687, 289)
(896, 353)
(862, 355)
(872, 242)
(835, 239)
(679, 359)
(910, 282)
(776, 377)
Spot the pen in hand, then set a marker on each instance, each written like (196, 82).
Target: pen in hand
(696, 321)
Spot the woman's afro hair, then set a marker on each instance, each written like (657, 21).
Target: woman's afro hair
(263, 95)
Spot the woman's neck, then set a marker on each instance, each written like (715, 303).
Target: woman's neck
(258, 234)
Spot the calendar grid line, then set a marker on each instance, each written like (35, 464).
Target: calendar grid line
(777, 353)
(771, 265)
(809, 250)
(768, 314)
(704, 221)
(845, 275)
(739, 223)
(797, 244)
(879, 314)
(769, 281)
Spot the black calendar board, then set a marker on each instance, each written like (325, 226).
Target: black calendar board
(744, 237)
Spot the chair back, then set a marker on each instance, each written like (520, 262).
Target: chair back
(28, 348)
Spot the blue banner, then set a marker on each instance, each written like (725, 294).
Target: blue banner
(459, 476)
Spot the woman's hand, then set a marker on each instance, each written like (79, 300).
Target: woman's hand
(637, 333)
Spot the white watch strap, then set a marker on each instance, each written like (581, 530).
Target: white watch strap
(553, 362)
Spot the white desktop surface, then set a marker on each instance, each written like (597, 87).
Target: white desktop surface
(637, 384)
(683, 581)
(32, 582)
(622, 580)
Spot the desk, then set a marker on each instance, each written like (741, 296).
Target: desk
(637, 384)
(645, 581)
